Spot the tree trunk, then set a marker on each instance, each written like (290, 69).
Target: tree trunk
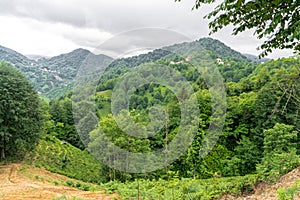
(166, 140)
(127, 158)
(3, 150)
(194, 170)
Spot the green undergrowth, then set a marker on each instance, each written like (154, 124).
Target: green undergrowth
(189, 188)
(63, 158)
(289, 193)
(70, 183)
(65, 197)
(80, 185)
(74, 183)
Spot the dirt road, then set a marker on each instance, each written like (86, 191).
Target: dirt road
(18, 182)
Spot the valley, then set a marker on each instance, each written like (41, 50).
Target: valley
(222, 125)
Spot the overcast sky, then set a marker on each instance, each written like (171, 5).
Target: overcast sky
(51, 27)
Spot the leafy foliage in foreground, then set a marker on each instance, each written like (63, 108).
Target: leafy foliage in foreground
(276, 20)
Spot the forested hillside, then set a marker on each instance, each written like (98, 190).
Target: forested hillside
(142, 103)
(262, 119)
(52, 77)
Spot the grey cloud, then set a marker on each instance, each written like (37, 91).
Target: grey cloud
(48, 11)
(138, 40)
(113, 16)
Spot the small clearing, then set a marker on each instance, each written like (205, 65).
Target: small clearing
(22, 182)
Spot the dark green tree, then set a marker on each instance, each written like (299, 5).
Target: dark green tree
(21, 117)
(278, 21)
(64, 127)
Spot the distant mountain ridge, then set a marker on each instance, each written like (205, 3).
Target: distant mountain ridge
(255, 58)
(49, 74)
(20, 61)
(36, 57)
(53, 76)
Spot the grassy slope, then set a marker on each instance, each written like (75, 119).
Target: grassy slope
(66, 159)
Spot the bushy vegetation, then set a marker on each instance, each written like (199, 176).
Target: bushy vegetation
(280, 157)
(289, 193)
(183, 188)
(65, 197)
(63, 158)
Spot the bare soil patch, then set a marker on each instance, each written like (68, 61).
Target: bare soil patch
(21, 182)
(264, 191)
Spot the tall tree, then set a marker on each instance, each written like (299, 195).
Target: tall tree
(277, 21)
(62, 115)
(20, 113)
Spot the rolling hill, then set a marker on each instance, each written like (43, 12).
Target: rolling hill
(53, 76)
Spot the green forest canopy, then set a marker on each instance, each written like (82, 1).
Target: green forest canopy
(260, 98)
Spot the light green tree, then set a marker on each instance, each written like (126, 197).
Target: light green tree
(280, 156)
